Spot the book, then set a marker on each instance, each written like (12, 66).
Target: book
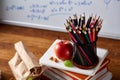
(78, 76)
(99, 74)
(106, 76)
(58, 74)
(45, 60)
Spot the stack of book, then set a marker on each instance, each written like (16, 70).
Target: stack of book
(58, 71)
(58, 74)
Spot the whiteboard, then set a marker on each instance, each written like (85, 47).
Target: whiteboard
(52, 14)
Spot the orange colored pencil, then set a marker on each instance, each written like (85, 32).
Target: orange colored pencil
(93, 34)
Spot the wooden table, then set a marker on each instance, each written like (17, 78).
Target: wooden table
(38, 41)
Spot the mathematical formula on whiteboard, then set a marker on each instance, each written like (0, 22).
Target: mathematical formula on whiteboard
(51, 14)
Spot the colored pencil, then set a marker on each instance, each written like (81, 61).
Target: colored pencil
(81, 37)
(86, 36)
(85, 55)
(96, 22)
(70, 33)
(75, 20)
(93, 34)
(79, 24)
(90, 37)
(88, 22)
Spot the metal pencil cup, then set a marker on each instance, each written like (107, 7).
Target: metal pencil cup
(85, 56)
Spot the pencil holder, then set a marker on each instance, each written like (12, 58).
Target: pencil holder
(85, 56)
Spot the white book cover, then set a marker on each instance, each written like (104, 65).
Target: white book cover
(102, 72)
(55, 74)
(107, 76)
(45, 60)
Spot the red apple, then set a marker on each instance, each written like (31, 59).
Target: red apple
(63, 50)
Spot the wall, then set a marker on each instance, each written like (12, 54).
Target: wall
(51, 14)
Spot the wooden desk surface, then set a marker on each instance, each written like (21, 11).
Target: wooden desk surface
(38, 41)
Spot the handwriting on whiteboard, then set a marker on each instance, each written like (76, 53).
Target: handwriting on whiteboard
(37, 11)
(57, 7)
